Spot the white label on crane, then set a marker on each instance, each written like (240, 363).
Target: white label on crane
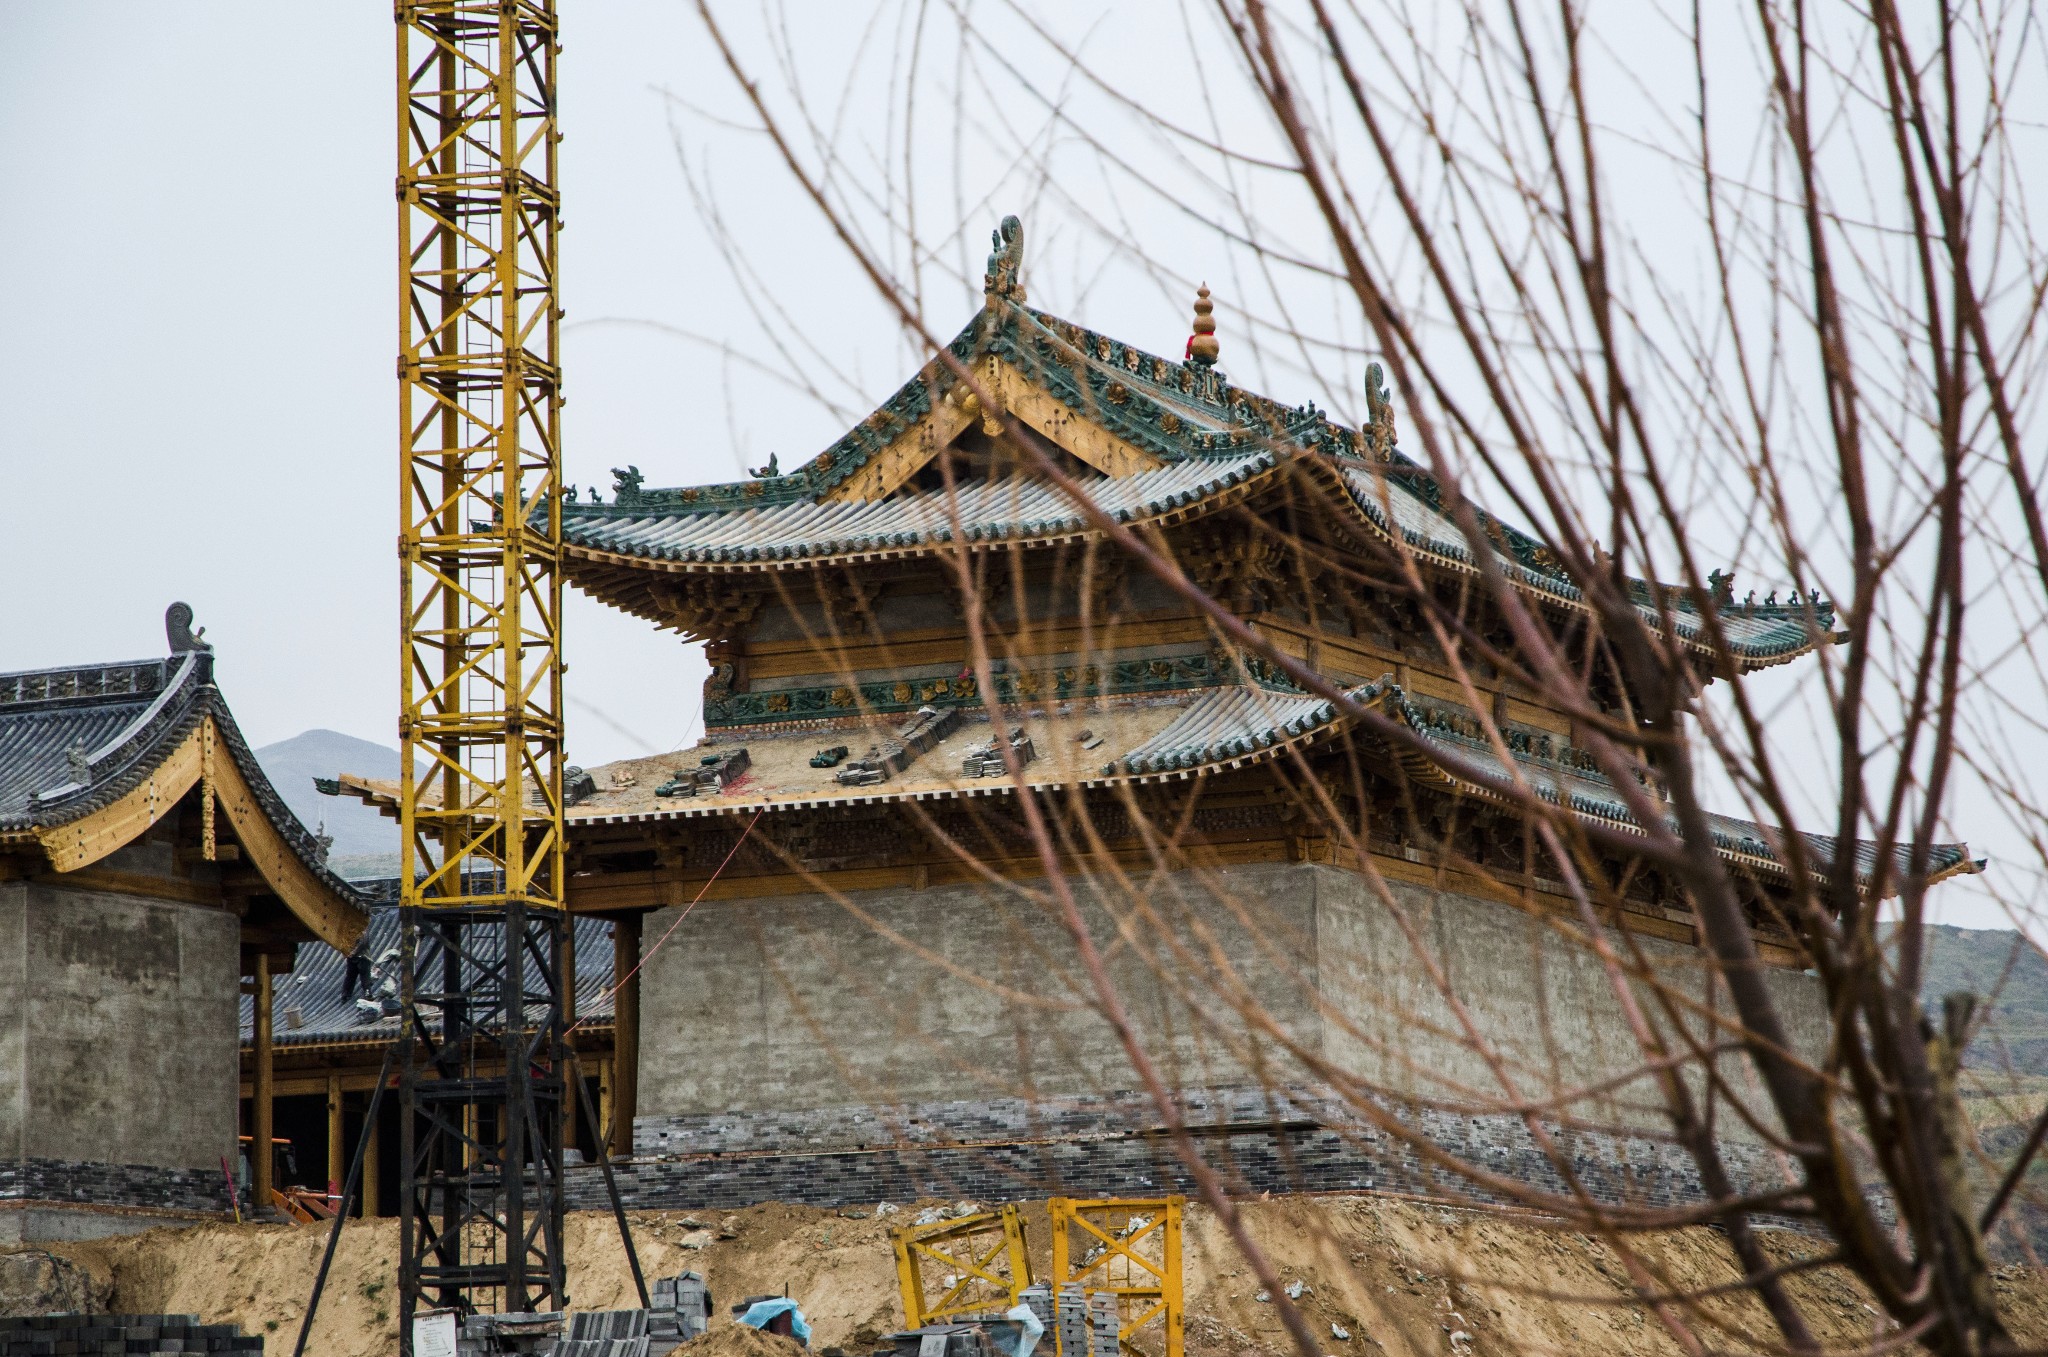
(433, 1335)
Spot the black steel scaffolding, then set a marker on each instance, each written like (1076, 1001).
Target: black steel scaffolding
(482, 1083)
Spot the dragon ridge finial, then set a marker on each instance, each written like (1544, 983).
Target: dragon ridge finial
(1005, 263)
(1379, 412)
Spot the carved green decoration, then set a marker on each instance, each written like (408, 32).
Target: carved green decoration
(1059, 683)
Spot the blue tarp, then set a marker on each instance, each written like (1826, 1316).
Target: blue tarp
(761, 1311)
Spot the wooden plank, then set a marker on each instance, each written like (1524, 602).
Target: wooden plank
(1068, 429)
(836, 661)
(373, 1178)
(886, 471)
(337, 1165)
(262, 1125)
(625, 1030)
(86, 840)
(135, 883)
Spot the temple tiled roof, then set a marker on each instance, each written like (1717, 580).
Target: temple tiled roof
(308, 1007)
(1151, 739)
(1242, 723)
(988, 511)
(75, 740)
(1214, 442)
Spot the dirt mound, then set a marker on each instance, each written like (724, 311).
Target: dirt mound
(1378, 1277)
(737, 1340)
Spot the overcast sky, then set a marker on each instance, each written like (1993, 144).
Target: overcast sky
(197, 326)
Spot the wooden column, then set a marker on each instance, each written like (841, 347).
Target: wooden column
(372, 1183)
(625, 1030)
(261, 1123)
(604, 1098)
(337, 1126)
(570, 1104)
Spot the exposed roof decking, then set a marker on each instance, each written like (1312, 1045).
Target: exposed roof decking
(1149, 740)
(780, 775)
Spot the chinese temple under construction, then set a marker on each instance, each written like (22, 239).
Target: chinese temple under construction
(842, 971)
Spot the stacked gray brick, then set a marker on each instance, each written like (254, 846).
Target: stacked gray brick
(118, 1335)
(713, 773)
(1073, 1324)
(512, 1334)
(986, 759)
(1105, 1322)
(682, 1311)
(605, 1333)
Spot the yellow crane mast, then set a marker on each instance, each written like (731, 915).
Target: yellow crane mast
(481, 680)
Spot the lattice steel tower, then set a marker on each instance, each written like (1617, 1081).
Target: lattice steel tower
(481, 731)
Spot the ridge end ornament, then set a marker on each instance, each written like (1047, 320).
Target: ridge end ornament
(1379, 412)
(178, 630)
(1003, 282)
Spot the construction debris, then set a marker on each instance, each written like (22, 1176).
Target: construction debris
(115, 1335)
(986, 759)
(890, 757)
(713, 773)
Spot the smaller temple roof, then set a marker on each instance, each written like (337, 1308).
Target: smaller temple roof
(310, 1009)
(93, 755)
(1177, 441)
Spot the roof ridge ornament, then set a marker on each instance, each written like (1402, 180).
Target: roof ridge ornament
(178, 630)
(1379, 412)
(1202, 345)
(1003, 281)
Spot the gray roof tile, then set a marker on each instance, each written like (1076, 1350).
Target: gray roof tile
(311, 994)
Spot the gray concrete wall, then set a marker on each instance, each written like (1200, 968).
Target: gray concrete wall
(14, 975)
(1540, 999)
(127, 1008)
(958, 993)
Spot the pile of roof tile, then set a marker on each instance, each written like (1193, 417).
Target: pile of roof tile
(108, 1335)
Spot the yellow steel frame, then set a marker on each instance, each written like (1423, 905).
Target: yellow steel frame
(1114, 1256)
(480, 411)
(984, 1254)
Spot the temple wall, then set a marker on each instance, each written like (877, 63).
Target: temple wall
(118, 1041)
(840, 1064)
(793, 1004)
(13, 1029)
(1542, 1000)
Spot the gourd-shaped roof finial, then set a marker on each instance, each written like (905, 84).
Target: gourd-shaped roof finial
(1202, 347)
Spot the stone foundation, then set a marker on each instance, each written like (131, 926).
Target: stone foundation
(1288, 1152)
(941, 1043)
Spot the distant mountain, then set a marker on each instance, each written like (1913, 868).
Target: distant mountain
(1992, 962)
(361, 835)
